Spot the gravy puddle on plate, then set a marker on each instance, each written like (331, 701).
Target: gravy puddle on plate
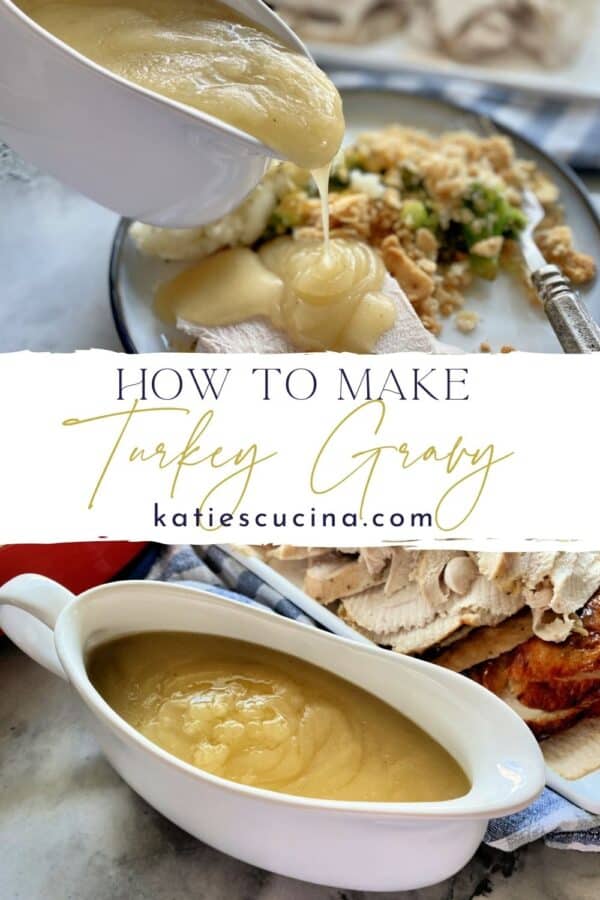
(263, 718)
(322, 297)
(205, 55)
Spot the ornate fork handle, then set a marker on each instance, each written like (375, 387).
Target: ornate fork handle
(574, 327)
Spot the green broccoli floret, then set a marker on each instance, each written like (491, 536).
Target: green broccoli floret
(484, 266)
(419, 214)
(414, 213)
(493, 215)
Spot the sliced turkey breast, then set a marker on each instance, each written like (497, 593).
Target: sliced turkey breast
(550, 31)
(402, 569)
(333, 579)
(487, 643)
(554, 584)
(286, 551)
(576, 752)
(376, 559)
(344, 20)
(409, 622)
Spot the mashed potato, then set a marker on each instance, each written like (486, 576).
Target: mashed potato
(242, 227)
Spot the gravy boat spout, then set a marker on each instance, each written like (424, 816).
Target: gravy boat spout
(142, 155)
(355, 845)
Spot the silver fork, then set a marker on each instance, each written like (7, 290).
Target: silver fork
(573, 325)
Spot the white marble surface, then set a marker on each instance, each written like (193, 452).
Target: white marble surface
(54, 252)
(69, 828)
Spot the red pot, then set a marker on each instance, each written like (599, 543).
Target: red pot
(77, 566)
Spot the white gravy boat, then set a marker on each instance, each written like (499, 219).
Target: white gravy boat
(133, 151)
(360, 846)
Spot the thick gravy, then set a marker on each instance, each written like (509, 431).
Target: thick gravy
(259, 717)
(206, 55)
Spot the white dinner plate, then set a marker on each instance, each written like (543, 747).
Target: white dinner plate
(507, 317)
(584, 792)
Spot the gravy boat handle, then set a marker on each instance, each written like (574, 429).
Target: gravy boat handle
(29, 608)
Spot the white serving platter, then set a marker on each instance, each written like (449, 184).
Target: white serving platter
(579, 78)
(584, 792)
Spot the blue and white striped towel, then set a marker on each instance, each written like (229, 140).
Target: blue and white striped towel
(568, 130)
(561, 824)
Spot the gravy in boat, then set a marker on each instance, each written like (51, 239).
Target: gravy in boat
(263, 718)
(207, 56)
